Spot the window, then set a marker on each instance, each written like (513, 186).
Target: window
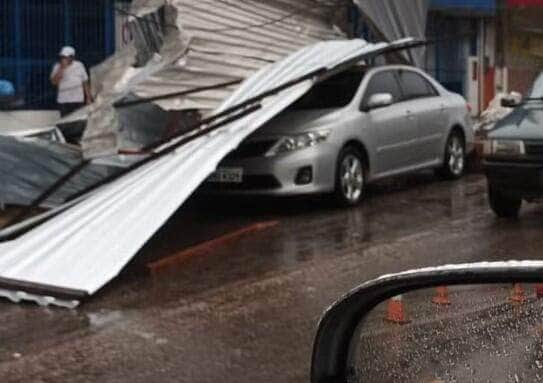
(383, 82)
(335, 92)
(415, 86)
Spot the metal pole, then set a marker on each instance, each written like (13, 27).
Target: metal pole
(67, 29)
(19, 70)
(482, 65)
(109, 27)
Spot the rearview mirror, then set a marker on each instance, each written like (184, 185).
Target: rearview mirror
(379, 100)
(475, 322)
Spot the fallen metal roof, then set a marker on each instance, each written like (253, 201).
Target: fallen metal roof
(394, 19)
(74, 254)
(184, 44)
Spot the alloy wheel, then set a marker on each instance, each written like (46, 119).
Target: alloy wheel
(352, 178)
(456, 155)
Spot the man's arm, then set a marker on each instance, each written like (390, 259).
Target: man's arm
(57, 74)
(88, 95)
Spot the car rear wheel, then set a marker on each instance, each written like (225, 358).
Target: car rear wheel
(454, 163)
(503, 205)
(350, 177)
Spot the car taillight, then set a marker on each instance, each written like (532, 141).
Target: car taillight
(468, 106)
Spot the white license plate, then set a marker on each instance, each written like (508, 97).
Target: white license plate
(227, 176)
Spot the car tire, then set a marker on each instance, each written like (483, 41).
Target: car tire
(504, 206)
(454, 162)
(350, 177)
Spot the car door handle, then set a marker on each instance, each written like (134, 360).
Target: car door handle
(442, 108)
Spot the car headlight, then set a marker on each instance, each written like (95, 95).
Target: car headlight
(505, 148)
(299, 141)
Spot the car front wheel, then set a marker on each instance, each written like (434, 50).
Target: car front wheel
(504, 206)
(350, 177)
(454, 163)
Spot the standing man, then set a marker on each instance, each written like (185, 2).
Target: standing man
(72, 82)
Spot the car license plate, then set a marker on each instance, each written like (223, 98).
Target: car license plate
(227, 175)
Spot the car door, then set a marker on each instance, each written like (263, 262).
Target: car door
(428, 110)
(393, 127)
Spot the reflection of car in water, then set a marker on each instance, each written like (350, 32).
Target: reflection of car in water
(356, 127)
(514, 155)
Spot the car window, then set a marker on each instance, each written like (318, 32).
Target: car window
(335, 92)
(383, 82)
(415, 86)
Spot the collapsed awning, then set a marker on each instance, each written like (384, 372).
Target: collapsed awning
(75, 253)
(27, 165)
(182, 44)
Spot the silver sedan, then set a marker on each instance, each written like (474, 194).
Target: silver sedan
(357, 127)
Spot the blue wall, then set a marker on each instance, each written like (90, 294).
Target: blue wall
(33, 31)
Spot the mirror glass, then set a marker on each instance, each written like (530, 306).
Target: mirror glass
(476, 333)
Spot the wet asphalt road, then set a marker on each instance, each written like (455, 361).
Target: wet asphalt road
(248, 310)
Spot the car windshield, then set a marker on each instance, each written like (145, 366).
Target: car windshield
(335, 92)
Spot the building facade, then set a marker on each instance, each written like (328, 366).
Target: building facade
(485, 46)
(463, 57)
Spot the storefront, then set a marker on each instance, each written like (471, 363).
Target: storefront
(463, 57)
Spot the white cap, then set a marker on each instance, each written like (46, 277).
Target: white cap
(67, 52)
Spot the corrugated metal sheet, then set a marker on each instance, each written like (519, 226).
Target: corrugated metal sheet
(395, 19)
(80, 250)
(204, 42)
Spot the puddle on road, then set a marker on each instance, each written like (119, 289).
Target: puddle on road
(104, 318)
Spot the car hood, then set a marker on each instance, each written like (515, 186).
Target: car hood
(299, 121)
(525, 122)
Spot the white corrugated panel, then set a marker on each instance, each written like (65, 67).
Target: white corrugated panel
(232, 39)
(395, 19)
(80, 250)
(206, 42)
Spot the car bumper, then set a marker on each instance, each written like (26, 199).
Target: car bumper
(520, 179)
(276, 176)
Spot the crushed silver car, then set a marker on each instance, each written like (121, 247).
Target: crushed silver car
(359, 126)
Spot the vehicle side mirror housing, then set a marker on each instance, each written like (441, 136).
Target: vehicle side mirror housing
(379, 100)
(512, 100)
(342, 323)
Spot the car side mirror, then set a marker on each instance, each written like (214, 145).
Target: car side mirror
(511, 100)
(379, 100)
(477, 321)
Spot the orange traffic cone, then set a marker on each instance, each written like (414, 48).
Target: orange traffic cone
(395, 311)
(517, 294)
(539, 290)
(442, 296)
